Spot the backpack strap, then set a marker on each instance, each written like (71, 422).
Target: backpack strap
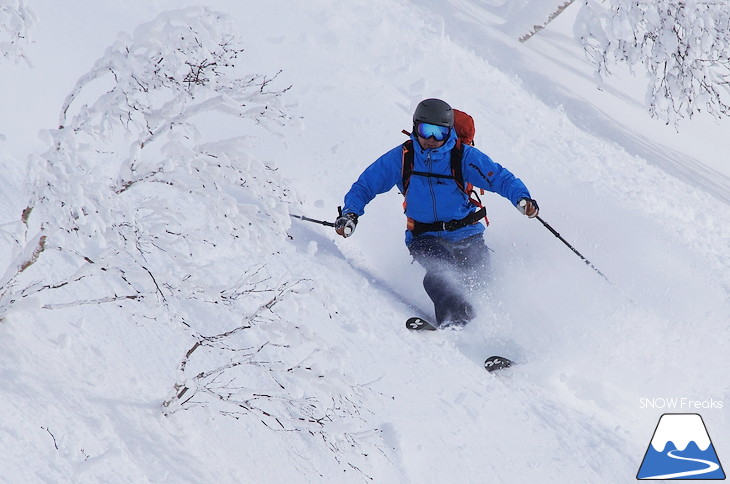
(407, 168)
(457, 154)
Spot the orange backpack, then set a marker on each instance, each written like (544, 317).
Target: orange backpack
(464, 126)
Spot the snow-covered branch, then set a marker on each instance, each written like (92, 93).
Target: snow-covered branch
(179, 66)
(138, 204)
(683, 46)
(16, 22)
(260, 366)
(132, 122)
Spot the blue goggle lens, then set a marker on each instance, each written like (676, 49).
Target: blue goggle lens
(439, 133)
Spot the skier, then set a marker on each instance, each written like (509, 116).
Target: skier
(443, 231)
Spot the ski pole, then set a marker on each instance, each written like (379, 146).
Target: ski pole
(307, 219)
(556, 234)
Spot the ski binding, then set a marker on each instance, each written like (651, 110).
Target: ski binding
(494, 363)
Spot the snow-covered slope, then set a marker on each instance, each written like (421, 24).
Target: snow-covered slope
(325, 384)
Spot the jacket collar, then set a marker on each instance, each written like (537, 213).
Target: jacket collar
(436, 154)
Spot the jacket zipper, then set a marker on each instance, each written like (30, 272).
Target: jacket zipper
(429, 163)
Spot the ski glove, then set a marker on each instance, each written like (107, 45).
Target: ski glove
(528, 207)
(346, 223)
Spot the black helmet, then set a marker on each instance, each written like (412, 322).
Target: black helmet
(434, 111)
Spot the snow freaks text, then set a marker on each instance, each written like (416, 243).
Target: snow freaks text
(680, 403)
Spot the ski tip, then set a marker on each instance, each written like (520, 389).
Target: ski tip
(419, 324)
(494, 363)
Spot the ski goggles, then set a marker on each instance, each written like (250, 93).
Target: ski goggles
(426, 130)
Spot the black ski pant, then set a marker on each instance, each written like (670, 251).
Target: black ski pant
(452, 269)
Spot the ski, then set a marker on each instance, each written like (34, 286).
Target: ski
(494, 363)
(419, 324)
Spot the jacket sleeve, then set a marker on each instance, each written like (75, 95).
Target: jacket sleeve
(378, 178)
(482, 172)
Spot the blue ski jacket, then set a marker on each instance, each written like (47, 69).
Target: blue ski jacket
(432, 199)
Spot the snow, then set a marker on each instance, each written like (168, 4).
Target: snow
(305, 372)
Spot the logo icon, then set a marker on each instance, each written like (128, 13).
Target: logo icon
(680, 449)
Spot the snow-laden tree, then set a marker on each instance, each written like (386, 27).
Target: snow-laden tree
(684, 45)
(16, 22)
(130, 123)
(139, 205)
